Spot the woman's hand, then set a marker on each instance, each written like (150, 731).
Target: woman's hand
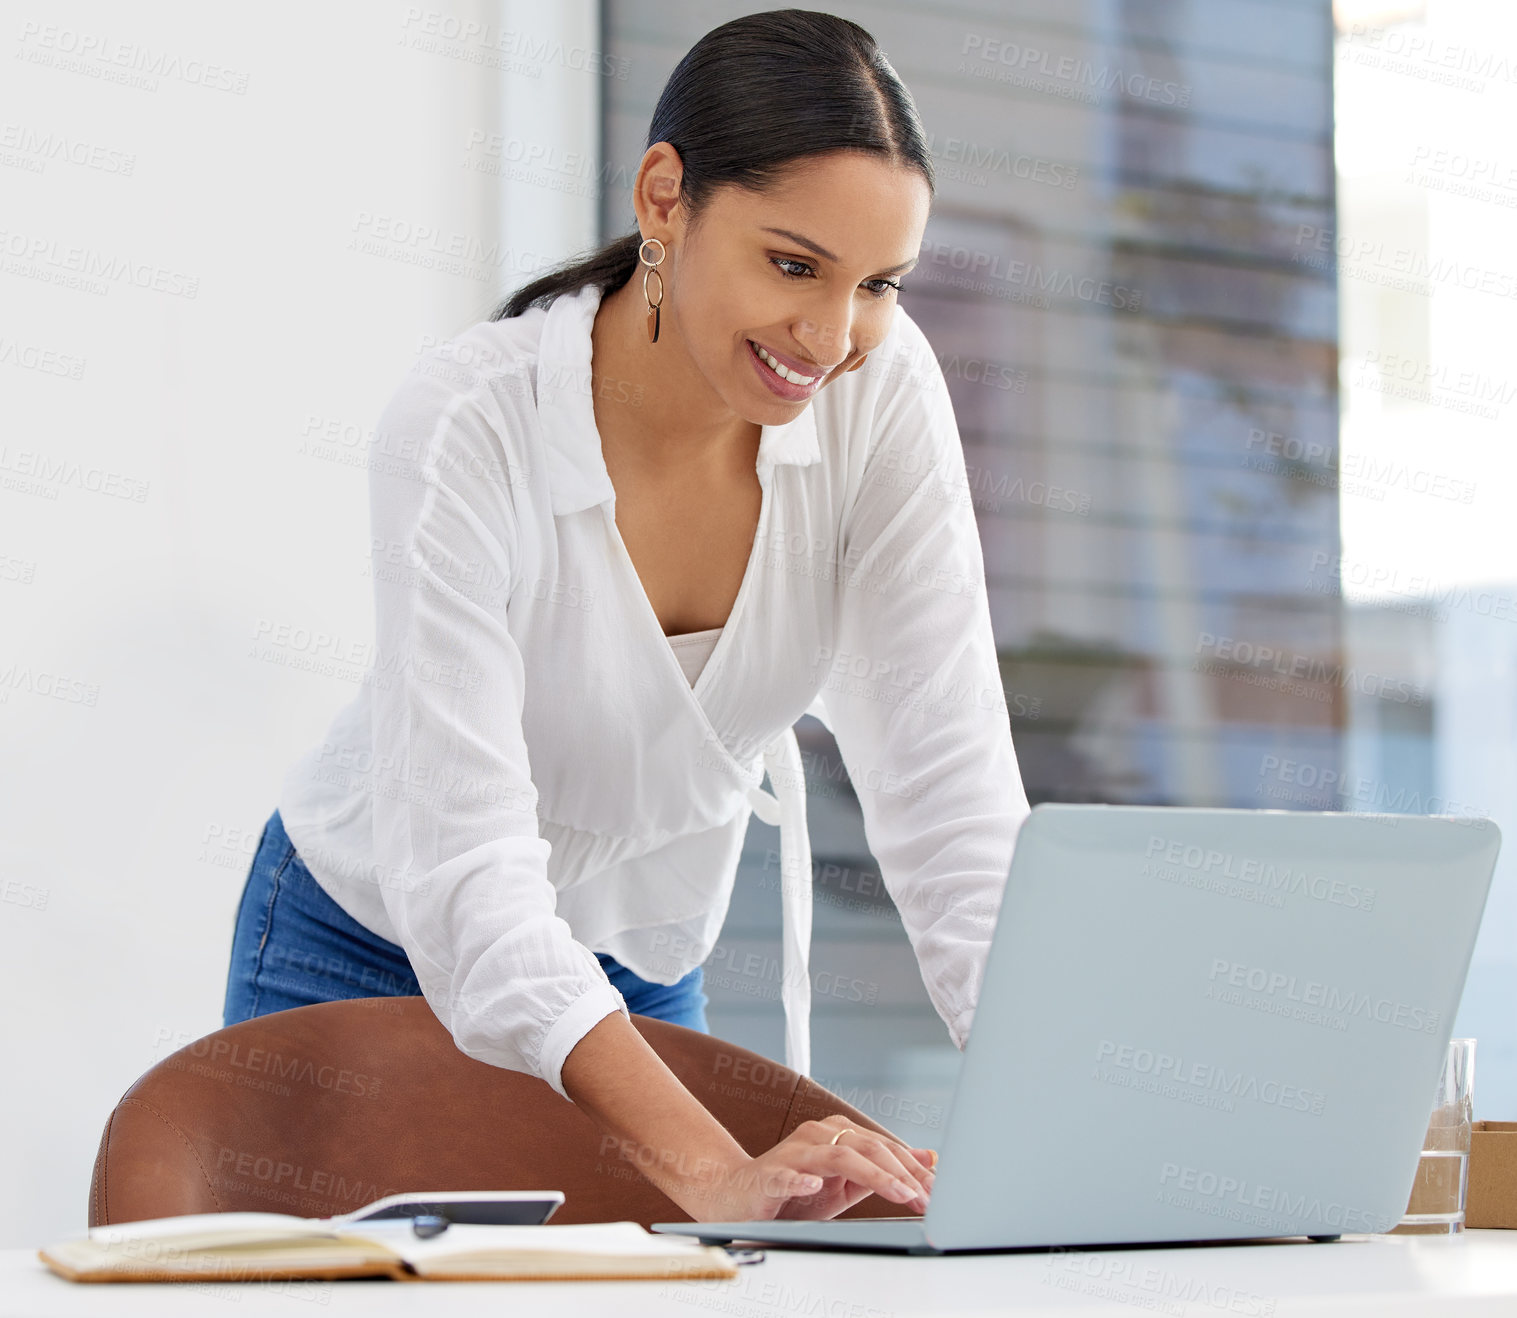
(652, 1120)
(815, 1173)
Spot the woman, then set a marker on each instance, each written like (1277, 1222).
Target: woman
(532, 812)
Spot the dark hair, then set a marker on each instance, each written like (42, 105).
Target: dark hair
(747, 99)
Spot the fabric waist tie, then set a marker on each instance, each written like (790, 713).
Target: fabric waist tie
(787, 808)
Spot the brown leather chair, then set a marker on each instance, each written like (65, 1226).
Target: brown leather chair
(319, 1110)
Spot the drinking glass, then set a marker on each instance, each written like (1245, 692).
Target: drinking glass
(1437, 1203)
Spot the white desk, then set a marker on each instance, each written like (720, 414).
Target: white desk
(1360, 1276)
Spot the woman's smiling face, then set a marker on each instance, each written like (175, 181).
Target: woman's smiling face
(806, 272)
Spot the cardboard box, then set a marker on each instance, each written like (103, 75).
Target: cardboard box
(1491, 1195)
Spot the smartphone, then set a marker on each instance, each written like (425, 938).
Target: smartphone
(484, 1207)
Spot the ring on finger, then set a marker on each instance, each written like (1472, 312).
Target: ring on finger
(847, 1130)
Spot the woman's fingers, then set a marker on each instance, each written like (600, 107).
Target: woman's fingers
(915, 1164)
(894, 1158)
(895, 1155)
(882, 1174)
(853, 1159)
(927, 1157)
(837, 1124)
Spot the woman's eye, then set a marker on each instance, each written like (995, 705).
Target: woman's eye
(879, 287)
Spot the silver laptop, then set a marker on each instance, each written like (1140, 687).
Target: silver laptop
(1197, 1024)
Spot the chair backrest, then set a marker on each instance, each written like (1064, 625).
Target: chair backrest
(319, 1110)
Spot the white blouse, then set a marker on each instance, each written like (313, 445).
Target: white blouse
(529, 774)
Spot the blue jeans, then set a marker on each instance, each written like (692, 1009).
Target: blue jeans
(293, 945)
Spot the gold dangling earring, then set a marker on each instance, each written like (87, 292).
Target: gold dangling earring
(653, 313)
(858, 363)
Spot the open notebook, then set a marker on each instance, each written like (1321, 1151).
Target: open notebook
(277, 1246)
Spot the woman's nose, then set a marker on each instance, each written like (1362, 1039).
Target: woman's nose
(825, 341)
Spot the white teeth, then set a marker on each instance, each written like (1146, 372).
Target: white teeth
(781, 370)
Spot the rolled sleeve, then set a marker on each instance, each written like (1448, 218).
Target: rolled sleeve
(461, 865)
(914, 694)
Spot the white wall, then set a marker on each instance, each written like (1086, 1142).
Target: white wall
(228, 198)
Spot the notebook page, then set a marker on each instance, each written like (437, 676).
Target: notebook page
(189, 1230)
(585, 1240)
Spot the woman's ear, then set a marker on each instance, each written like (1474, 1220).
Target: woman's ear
(656, 189)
